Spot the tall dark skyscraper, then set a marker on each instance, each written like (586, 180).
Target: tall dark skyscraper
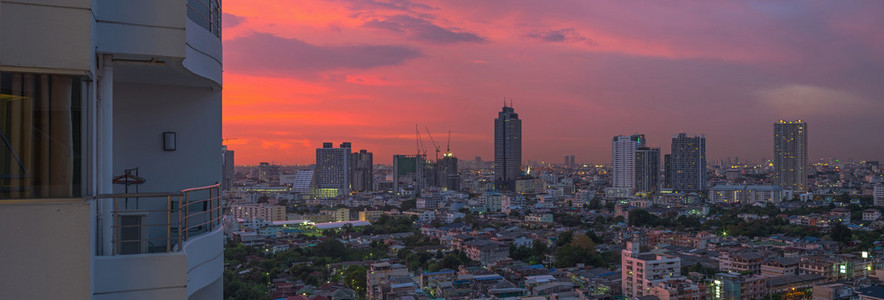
(227, 171)
(687, 163)
(507, 147)
(647, 170)
(361, 171)
(408, 173)
(449, 177)
(790, 155)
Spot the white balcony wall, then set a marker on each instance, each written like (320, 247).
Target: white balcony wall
(142, 28)
(141, 276)
(142, 112)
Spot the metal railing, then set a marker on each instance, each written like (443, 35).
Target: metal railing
(162, 222)
(206, 13)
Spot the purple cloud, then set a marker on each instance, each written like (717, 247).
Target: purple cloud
(231, 20)
(424, 30)
(560, 36)
(266, 53)
(399, 5)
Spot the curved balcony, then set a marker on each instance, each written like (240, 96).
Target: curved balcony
(164, 245)
(162, 222)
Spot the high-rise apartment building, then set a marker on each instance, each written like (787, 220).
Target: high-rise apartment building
(623, 160)
(790, 155)
(97, 97)
(507, 148)
(647, 170)
(227, 168)
(687, 163)
(361, 168)
(332, 171)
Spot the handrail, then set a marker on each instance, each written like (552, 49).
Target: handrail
(199, 211)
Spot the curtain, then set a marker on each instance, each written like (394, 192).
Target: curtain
(37, 142)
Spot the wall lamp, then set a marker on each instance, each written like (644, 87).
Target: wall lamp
(169, 141)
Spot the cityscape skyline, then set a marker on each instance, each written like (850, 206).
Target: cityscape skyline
(579, 72)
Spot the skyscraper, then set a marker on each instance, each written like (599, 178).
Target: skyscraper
(790, 155)
(647, 170)
(227, 171)
(332, 171)
(449, 176)
(361, 170)
(507, 147)
(569, 162)
(687, 163)
(623, 159)
(408, 173)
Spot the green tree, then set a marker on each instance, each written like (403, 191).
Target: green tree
(840, 233)
(354, 277)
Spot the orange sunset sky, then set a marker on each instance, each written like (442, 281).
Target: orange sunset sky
(298, 73)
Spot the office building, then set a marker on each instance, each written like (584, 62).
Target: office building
(303, 183)
(361, 168)
(647, 170)
(332, 171)
(119, 92)
(268, 173)
(790, 155)
(623, 160)
(507, 148)
(227, 171)
(687, 163)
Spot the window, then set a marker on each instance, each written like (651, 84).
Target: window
(40, 142)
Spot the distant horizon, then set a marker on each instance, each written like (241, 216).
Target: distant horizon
(578, 73)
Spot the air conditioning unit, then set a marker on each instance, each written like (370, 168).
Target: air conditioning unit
(131, 233)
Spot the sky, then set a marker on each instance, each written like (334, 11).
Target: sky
(300, 73)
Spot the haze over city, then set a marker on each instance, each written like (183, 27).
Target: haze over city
(298, 74)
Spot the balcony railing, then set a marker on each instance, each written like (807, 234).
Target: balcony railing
(206, 13)
(162, 222)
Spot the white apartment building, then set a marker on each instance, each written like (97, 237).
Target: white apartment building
(95, 94)
(642, 271)
(270, 213)
(623, 160)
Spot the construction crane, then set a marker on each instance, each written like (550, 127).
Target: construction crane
(434, 143)
(420, 143)
(448, 147)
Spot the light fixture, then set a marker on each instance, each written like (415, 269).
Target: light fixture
(169, 141)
